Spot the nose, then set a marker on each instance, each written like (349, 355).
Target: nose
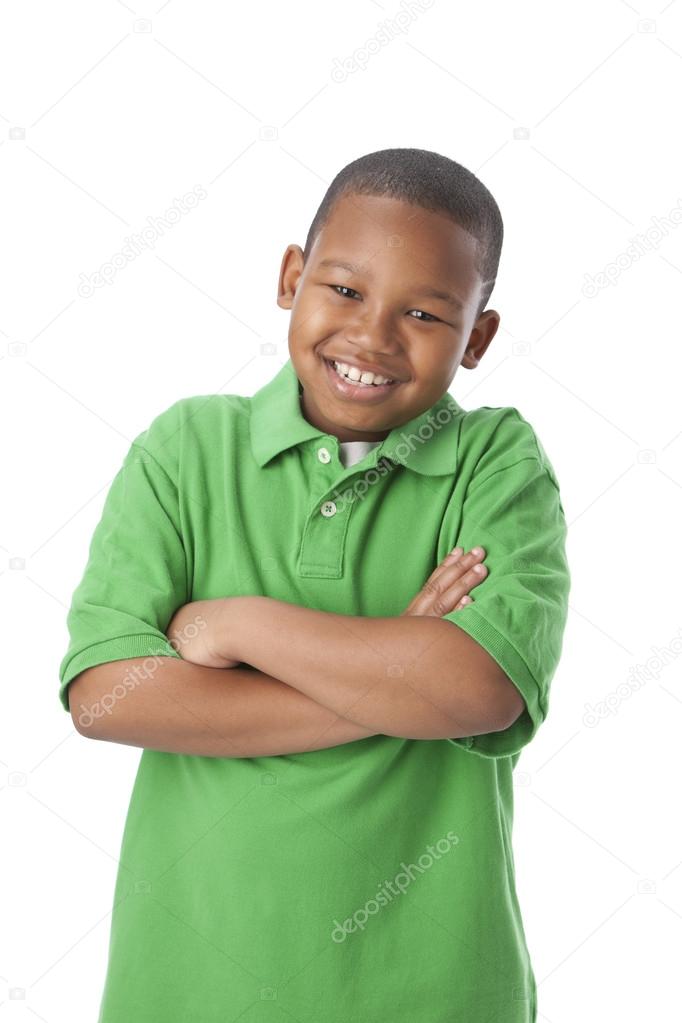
(372, 334)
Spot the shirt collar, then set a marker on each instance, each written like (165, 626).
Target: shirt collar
(427, 444)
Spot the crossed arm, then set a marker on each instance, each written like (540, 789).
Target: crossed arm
(416, 677)
(309, 680)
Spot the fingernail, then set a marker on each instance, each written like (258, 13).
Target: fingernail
(477, 550)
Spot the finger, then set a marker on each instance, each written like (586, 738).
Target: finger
(440, 598)
(461, 587)
(441, 595)
(454, 570)
(455, 564)
(432, 598)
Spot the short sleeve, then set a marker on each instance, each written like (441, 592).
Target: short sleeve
(135, 576)
(520, 609)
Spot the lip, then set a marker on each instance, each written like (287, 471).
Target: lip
(345, 389)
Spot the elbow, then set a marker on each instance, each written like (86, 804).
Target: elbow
(501, 709)
(84, 704)
(509, 706)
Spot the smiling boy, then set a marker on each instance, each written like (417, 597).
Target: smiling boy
(320, 828)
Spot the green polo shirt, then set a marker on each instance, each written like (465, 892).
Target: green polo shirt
(368, 882)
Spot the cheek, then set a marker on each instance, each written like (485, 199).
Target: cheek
(429, 360)
(314, 318)
(431, 377)
(434, 358)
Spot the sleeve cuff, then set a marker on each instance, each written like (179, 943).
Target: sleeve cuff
(511, 740)
(121, 648)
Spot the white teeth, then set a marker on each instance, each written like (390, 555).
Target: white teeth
(357, 376)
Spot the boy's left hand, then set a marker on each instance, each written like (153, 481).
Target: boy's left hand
(195, 631)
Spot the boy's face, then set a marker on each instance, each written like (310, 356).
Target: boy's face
(379, 316)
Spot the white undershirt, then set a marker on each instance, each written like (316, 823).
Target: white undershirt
(351, 451)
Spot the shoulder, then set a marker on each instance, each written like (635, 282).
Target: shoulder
(191, 422)
(496, 438)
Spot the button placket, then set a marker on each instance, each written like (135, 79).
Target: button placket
(324, 537)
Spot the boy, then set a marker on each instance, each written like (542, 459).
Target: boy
(320, 827)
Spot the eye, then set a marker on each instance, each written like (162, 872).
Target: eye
(431, 319)
(342, 287)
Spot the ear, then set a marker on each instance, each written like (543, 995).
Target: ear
(481, 336)
(289, 275)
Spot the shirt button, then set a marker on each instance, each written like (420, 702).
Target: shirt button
(324, 455)
(328, 509)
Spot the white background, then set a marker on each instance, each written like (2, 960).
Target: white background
(570, 115)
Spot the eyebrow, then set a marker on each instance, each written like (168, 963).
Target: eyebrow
(426, 292)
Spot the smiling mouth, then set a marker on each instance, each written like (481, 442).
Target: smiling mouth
(386, 381)
(356, 391)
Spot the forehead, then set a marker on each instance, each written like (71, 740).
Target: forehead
(376, 233)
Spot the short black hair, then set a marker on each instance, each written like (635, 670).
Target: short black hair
(429, 180)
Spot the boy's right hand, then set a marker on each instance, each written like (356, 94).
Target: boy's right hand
(447, 588)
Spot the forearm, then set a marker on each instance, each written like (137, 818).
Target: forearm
(417, 677)
(180, 707)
